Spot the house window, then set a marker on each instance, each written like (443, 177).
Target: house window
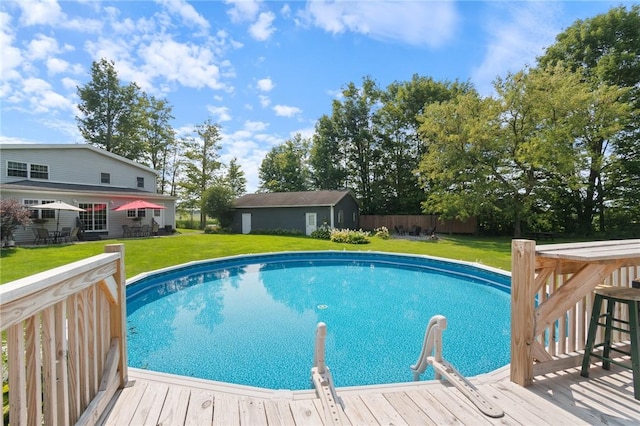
(17, 169)
(105, 177)
(39, 171)
(140, 182)
(37, 213)
(34, 171)
(136, 213)
(94, 218)
(340, 217)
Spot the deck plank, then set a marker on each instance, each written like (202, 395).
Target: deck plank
(434, 409)
(408, 409)
(463, 410)
(226, 410)
(174, 411)
(150, 406)
(382, 409)
(305, 412)
(278, 412)
(126, 404)
(251, 411)
(357, 411)
(200, 409)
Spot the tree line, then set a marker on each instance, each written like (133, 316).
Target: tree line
(555, 148)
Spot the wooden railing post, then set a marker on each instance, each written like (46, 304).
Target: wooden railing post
(523, 256)
(119, 313)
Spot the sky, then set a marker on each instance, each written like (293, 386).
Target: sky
(263, 70)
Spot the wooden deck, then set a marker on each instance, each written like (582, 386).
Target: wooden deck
(562, 398)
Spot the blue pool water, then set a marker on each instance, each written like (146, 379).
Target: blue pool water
(251, 320)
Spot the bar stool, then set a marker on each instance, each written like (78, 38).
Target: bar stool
(612, 295)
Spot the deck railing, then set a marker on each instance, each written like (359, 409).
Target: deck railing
(66, 342)
(551, 303)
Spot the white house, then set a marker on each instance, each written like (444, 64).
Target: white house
(84, 176)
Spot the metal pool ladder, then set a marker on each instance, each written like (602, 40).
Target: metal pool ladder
(432, 355)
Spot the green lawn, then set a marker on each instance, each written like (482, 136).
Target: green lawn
(148, 254)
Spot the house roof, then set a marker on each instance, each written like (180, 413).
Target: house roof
(30, 185)
(59, 146)
(291, 199)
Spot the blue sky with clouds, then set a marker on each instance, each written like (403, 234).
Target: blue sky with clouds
(264, 70)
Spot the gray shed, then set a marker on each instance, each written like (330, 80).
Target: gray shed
(302, 211)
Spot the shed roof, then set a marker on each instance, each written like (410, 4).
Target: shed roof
(291, 199)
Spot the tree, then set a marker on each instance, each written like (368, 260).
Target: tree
(111, 113)
(218, 203)
(327, 158)
(201, 166)
(511, 157)
(12, 214)
(235, 178)
(605, 50)
(284, 168)
(157, 135)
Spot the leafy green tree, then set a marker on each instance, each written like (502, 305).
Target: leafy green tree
(284, 168)
(508, 156)
(402, 104)
(235, 178)
(605, 49)
(201, 165)
(158, 135)
(327, 159)
(218, 203)
(111, 113)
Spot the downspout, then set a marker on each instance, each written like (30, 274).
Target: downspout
(332, 217)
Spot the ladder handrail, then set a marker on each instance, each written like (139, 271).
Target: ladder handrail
(432, 344)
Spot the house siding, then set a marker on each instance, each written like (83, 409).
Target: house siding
(78, 165)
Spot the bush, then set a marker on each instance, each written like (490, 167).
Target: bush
(322, 233)
(349, 236)
(383, 233)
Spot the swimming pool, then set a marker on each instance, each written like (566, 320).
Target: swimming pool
(251, 319)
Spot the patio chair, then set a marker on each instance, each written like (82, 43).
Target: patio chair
(65, 233)
(36, 239)
(144, 232)
(43, 235)
(126, 231)
(400, 230)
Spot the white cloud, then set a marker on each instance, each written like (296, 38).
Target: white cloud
(42, 47)
(221, 114)
(517, 37)
(187, 12)
(286, 111)
(265, 85)
(41, 98)
(243, 10)
(69, 83)
(255, 126)
(415, 23)
(261, 30)
(264, 101)
(57, 66)
(11, 55)
(40, 12)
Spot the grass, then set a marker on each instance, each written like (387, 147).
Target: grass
(148, 254)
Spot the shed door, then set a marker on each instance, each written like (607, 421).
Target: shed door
(312, 222)
(246, 223)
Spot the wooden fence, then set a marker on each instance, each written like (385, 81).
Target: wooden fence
(552, 292)
(424, 221)
(66, 341)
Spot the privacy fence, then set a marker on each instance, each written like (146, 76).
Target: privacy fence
(424, 221)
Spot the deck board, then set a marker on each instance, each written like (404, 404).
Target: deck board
(561, 398)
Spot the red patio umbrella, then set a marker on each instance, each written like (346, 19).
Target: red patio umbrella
(138, 204)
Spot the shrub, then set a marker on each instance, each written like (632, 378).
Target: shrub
(277, 231)
(383, 233)
(322, 233)
(349, 236)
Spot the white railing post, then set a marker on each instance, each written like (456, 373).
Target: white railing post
(319, 349)
(119, 312)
